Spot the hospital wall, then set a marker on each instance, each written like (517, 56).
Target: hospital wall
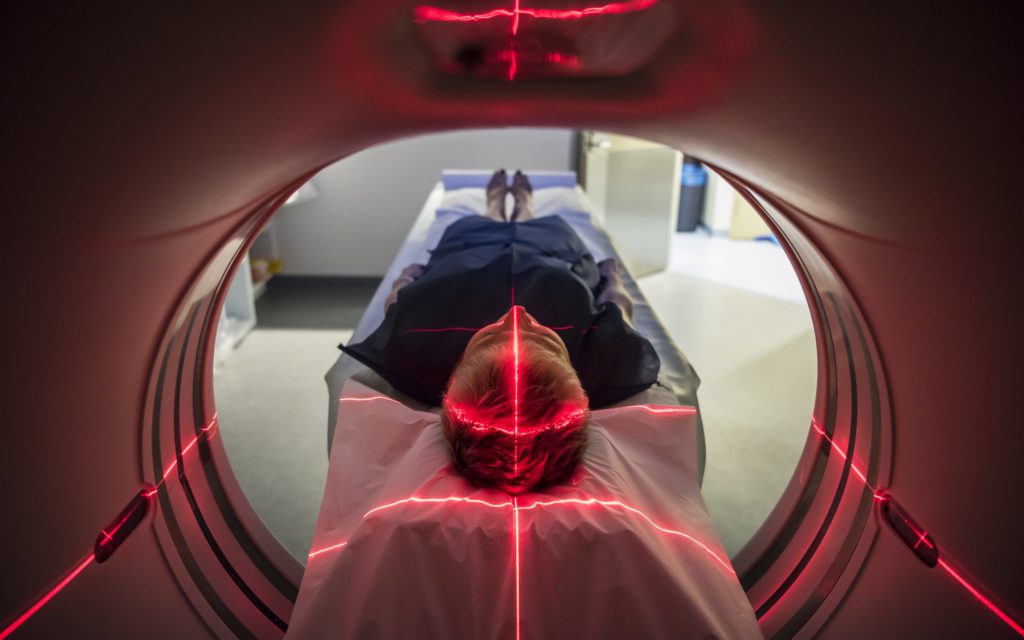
(388, 184)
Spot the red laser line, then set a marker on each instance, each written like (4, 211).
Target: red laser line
(49, 595)
(566, 327)
(560, 422)
(923, 537)
(413, 499)
(616, 503)
(576, 14)
(370, 399)
(513, 65)
(1002, 615)
(333, 547)
(516, 508)
(878, 496)
(206, 432)
(678, 411)
(436, 14)
(515, 516)
(515, 386)
(108, 537)
(842, 454)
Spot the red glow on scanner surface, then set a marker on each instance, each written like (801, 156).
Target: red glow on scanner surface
(436, 14)
(922, 537)
(425, 13)
(206, 432)
(49, 595)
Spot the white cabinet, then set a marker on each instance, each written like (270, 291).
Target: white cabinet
(634, 185)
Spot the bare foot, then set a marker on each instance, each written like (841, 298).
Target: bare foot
(522, 191)
(496, 190)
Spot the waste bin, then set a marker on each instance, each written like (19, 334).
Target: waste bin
(692, 184)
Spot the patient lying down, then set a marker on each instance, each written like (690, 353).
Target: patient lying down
(515, 393)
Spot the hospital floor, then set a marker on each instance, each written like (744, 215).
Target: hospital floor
(735, 309)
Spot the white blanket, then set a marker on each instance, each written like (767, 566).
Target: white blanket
(406, 548)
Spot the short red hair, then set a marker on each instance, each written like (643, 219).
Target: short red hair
(479, 421)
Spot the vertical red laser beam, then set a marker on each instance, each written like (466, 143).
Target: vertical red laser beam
(513, 63)
(515, 387)
(515, 523)
(1002, 615)
(49, 595)
(515, 18)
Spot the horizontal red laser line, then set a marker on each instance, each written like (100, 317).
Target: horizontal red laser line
(493, 505)
(416, 500)
(1002, 615)
(560, 421)
(679, 411)
(436, 14)
(566, 327)
(621, 505)
(11, 628)
(371, 399)
(333, 547)
(543, 503)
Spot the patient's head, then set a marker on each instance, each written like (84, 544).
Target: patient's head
(512, 427)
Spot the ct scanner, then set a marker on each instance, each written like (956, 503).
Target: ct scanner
(147, 143)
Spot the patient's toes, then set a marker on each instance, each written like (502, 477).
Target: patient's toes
(521, 183)
(499, 181)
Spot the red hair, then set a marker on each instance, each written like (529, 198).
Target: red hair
(492, 446)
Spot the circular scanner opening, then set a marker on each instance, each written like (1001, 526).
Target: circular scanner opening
(723, 291)
(735, 307)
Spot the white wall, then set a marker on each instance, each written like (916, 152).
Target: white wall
(368, 202)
